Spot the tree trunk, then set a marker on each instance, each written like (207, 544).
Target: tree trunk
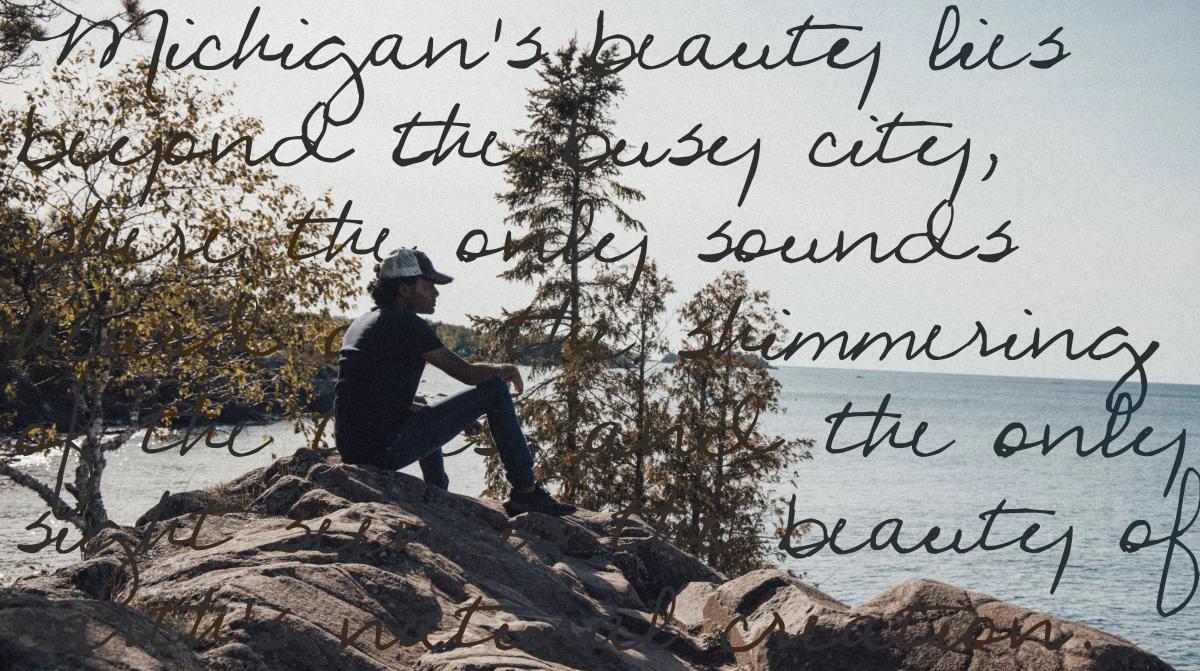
(639, 482)
(90, 468)
(572, 257)
(701, 437)
(714, 537)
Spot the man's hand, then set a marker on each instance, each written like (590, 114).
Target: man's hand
(511, 374)
(473, 373)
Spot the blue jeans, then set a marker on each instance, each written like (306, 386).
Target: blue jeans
(425, 432)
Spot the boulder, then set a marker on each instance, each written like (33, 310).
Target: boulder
(314, 564)
(775, 621)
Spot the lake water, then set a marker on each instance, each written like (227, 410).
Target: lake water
(1097, 498)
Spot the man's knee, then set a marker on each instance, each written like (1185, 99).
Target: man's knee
(496, 386)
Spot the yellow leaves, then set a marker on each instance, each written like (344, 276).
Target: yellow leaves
(39, 438)
(209, 409)
(171, 320)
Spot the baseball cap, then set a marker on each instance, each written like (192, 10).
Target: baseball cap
(410, 263)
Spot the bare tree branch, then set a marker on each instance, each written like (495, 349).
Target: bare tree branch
(58, 506)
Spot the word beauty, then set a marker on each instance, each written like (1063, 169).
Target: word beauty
(886, 534)
(695, 50)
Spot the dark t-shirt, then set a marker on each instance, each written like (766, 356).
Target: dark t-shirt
(379, 368)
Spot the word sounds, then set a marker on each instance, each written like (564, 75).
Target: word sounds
(932, 241)
(886, 534)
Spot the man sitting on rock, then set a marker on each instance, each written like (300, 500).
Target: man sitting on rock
(379, 368)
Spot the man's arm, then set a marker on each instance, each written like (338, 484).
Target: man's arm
(473, 373)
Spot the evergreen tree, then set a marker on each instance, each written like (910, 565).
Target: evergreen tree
(558, 190)
(634, 395)
(710, 484)
(23, 22)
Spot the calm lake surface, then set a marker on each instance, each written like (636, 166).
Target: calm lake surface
(1097, 498)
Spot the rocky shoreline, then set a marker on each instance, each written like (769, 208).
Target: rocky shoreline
(312, 564)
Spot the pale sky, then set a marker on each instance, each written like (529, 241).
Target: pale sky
(1097, 156)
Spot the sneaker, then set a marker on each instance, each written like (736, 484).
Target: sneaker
(536, 501)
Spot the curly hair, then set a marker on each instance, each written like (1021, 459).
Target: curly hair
(384, 292)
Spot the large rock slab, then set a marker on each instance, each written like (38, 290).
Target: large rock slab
(775, 621)
(312, 564)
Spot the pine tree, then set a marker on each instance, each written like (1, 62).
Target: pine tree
(634, 395)
(24, 22)
(558, 195)
(710, 484)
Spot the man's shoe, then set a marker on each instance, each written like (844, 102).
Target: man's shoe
(536, 501)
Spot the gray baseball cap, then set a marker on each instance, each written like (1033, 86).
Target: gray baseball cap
(410, 263)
